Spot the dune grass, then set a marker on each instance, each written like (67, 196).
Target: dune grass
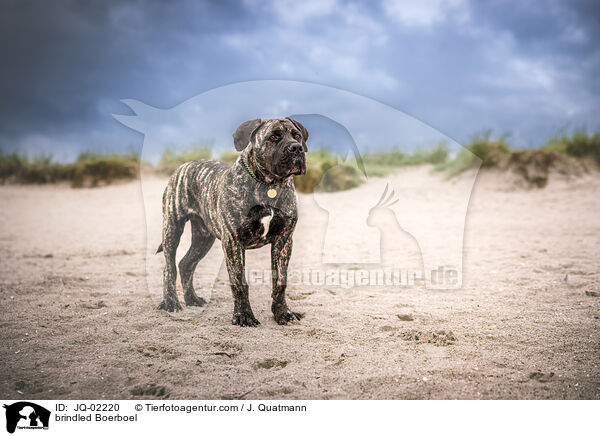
(94, 169)
(326, 171)
(580, 145)
(381, 164)
(20, 168)
(89, 169)
(171, 160)
(481, 149)
(329, 172)
(490, 152)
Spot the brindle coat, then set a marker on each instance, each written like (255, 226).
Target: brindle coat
(231, 204)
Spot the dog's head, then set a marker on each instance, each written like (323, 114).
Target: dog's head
(277, 146)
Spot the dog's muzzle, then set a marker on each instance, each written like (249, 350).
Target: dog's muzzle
(298, 158)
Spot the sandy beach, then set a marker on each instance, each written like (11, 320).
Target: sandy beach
(79, 289)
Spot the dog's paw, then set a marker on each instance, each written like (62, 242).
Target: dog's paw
(244, 319)
(284, 315)
(170, 305)
(194, 300)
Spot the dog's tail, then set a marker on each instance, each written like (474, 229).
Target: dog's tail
(159, 249)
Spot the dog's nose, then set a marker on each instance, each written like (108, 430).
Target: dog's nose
(295, 148)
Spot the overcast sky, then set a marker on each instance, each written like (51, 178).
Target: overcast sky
(529, 68)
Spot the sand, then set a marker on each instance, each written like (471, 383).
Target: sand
(79, 318)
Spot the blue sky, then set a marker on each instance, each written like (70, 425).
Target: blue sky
(526, 68)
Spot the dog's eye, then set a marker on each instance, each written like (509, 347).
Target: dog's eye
(296, 136)
(274, 138)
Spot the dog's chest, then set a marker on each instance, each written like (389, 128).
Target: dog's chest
(261, 225)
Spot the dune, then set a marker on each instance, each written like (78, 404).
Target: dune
(79, 286)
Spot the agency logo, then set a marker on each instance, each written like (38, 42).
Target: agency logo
(26, 415)
(367, 222)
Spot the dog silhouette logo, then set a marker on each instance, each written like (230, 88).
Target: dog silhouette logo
(26, 415)
(422, 233)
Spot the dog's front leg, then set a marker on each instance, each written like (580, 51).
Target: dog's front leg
(281, 251)
(235, 260)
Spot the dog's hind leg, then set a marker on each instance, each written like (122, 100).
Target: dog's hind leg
(202, 240)
(171, 234)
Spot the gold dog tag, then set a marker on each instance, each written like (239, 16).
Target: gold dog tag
(272, 193)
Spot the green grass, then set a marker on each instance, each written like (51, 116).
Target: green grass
(90, 169)
(490, 152)
(580, 145)
(326, 170)
(482, 149)
(171, 160)
(93, 169)
(20, 168)
(381, 164)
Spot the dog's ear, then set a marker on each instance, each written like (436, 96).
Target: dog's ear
(244, 134)
(302, 130)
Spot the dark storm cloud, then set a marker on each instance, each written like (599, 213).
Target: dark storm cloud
(528, 68)
(64, 60)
